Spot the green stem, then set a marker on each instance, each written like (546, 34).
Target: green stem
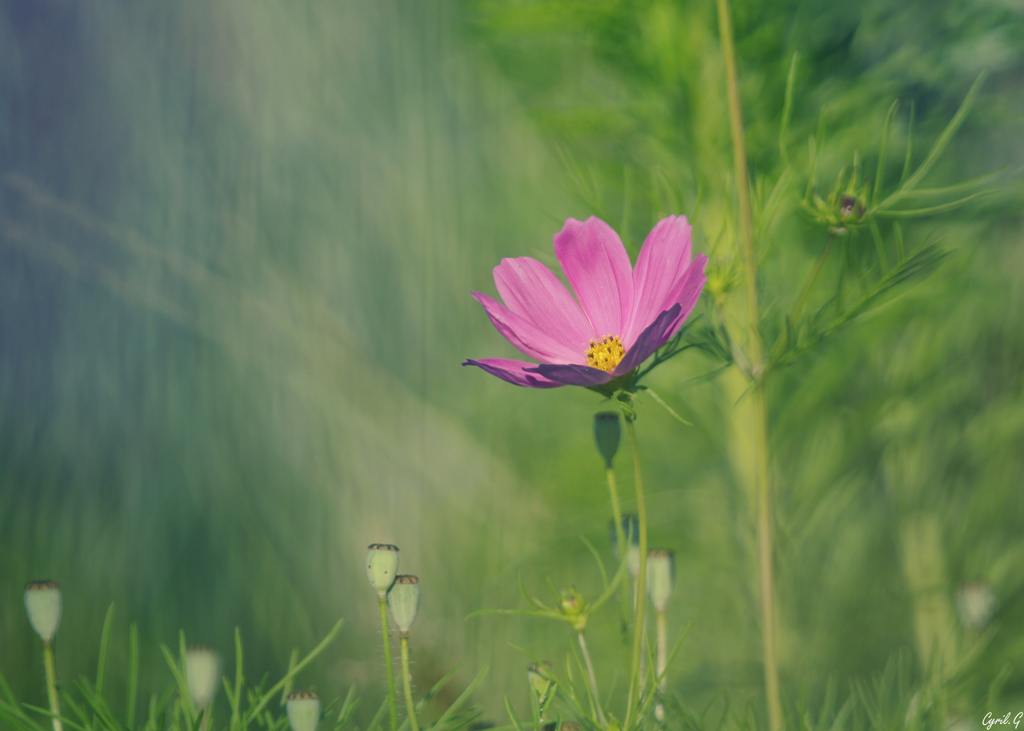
(593, 680)
(760, 425)
(620, 537)
(51, 685)
(659, 711)
(385, 631)
(638, 625)
(410, 707)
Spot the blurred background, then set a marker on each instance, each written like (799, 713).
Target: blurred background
(237, 243)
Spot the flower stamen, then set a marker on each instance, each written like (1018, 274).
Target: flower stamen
(605, 353)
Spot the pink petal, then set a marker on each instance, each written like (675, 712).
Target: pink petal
(663, 259)
(598, 268)
(513, 371)
(531, 290)
(687, 292)
(572, 375)
(652, 338)
(526, 336)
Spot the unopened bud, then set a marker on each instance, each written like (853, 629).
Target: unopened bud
(661, 575)
(539, 677)
(404, 602)
(606, 433)
(44, 605)
(382, 566)
(303, 710)
(202, 665)
(631, 532)
(976, 603)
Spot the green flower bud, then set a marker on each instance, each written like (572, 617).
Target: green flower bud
(404, 602)
(202, 665)
(303, 710)
(539, 677)
(44, 605)
(661, 575)
(606, 433)
(382, 566)
(572, 605)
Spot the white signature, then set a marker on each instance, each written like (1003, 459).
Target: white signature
(989, 721)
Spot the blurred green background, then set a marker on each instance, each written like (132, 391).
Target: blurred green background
(237, 242)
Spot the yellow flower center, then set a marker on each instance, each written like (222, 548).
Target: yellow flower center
(605, 353)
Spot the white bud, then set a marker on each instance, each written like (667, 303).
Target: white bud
(404, 601)
(203, 668)
(661, 575)
(303, 710)
(382, 566)
(44, 606)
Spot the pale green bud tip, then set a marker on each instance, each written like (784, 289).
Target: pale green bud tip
(44, 605)
(404, 601)
(976, 603)
(606, 433)
(539, 677)
(303, 710)
(202, 665)
(661, 575)
(382, 566)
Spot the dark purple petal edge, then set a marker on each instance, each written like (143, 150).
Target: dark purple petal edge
(652, 338)
(572, 375)
(518, 378)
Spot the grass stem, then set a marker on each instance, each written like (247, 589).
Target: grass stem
(659, 710)
(760, 419)
(51, 685)
(410, 707)
(385, 632)
(593, 679)
(638, 625)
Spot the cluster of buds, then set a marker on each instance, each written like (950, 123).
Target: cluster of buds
(401, 591)
(844, 207)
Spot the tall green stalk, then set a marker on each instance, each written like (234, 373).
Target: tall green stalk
(51, 685)
(392, 706)
(410, 707)
(641, 512)
(759, 427)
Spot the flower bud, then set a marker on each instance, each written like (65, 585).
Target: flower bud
(303, 710)
(382, 566)
(606, 433)
(631, 532)
(202, 665)
(404, 602)
(976, 603)
(43, 604)
(539, 677)
(661, 575)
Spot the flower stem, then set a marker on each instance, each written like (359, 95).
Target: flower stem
(410, 707)
(593, 679)
(638, 626)
(385, 631)
(620, 537)
(51, 685)
(659, 711)
(760, 419)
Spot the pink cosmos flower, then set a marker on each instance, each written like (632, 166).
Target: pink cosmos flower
(623, 316)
